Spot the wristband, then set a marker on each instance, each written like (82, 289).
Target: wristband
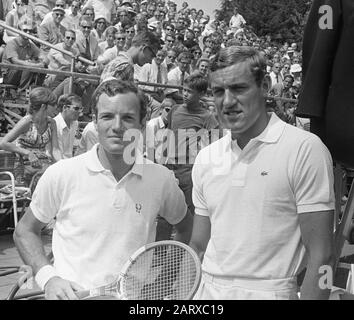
(44, 275)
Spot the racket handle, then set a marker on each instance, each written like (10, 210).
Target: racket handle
(83, 294)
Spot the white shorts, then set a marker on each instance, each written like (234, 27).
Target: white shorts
(221, 288)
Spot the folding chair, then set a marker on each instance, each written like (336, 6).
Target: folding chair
(16, 194)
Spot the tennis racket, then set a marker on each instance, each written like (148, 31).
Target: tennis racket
(163, 270)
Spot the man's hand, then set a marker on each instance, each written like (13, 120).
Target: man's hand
(59, 289)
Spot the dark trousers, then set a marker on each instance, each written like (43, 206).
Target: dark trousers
(23, 79)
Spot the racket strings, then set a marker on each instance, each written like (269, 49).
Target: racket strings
(164, 272)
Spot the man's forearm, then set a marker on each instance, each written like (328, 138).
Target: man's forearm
(30, 247)
(316, 284)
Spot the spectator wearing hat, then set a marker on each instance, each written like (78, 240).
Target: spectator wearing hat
(99, 27)
(143, 6)
(52, 31)
(103, 8)
(49, 16)
(237, 21)
(22, 51)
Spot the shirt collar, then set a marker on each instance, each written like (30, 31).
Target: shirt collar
(61, 122)
(270, 134)
(94, 164)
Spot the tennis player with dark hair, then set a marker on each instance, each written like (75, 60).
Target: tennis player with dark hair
(105, 202)
(263, 194)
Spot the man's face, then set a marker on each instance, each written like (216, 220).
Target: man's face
(69, 39)
(116, 115)
(27, 29)
(130, 32)
(276, 68)
(171, 57)
(208, 51)
(150, 11)
(86, 27)
(197, 32)
(120, 40)
(204, 67)
(183, 64)
(60, 3)
(89, 14)
(73, 111)
(190, 96)
(75, 6)
(159, 57)
(143, 7)
(110, 38)
(238, 99)
(288, 82)
(58, 16)
(189, 35)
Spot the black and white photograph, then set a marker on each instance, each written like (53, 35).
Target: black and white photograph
(161, 151)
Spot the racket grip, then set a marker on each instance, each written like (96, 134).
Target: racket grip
(83, 294)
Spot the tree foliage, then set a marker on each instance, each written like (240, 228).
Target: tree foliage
(281, 19)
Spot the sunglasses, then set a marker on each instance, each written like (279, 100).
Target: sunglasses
(86, 27)
(60, 5)
(171, 57)
(59, 14)
(88, 14)
(119, 39)
(76, 108)
(169, 40)
(197, 52)
(28, 30)
(70, 38)
(130, 31)
(169, 29)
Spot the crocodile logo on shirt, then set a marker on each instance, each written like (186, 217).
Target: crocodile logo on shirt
(138, 207)
(264, 173)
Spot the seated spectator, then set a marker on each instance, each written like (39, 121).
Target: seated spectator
(203, 66)
(110, 36)
(170, 59)
(102, 8)
(86, 42)
(32, 135)
(99, 27)
(52, 31)
(196, 54)
(144, 47)
(22, 51)
(72, 16)
(70, 108)
(129, 31)
(111, 53)
(12, 19)
(49, 16)
(59, 60)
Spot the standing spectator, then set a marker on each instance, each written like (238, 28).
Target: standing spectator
(70, 108)
(237, 21)
(275, 74)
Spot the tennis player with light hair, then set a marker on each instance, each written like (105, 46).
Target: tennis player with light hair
(263, 194)
(105, 202)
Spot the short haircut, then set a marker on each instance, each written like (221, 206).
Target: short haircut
(39, 96)
(197, 82)
(146, 38)
(232, 55)
(67, 99)
(113, 87)
(183, 55)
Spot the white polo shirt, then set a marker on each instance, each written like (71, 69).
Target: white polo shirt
(100, 222)
(253, 198)
(66, 136)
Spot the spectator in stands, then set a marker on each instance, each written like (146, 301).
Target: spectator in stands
(88, 12)
(170, 59)
(203, 66)
(22, 51)
(156, 72)
(110, 36)
(12, 19)
(99, 27)
(102, 8)
(89, 137)
(144, 47)
(49, 16)
(70, 109)
(130, 33)
(52, 31)
(72, 16)
(33, 135)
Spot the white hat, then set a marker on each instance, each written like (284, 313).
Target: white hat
(58, 9)
(295, 68)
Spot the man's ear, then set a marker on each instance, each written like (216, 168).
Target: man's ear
(266, 84)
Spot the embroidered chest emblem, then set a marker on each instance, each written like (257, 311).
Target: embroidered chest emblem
(138, 207)
(264, 173)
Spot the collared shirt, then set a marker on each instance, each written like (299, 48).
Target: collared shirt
(155, 129)
(148, 73)
(101, 222)
(174, 77)
(71, 22)
(236, 22)
(261, 190)
(66, 136)
(58, 60)
(51, 33)
(89, 138)
(16, 49)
